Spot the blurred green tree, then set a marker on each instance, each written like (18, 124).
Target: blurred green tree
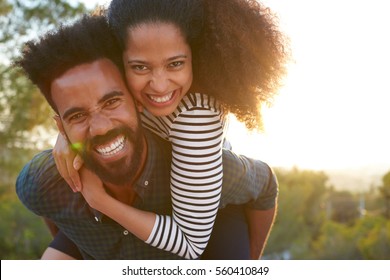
(375, 245)
(23, 112)
(337, 241)
(300, 215)
(343, 206)
(316, 221)
(24, 118)
(385, 191)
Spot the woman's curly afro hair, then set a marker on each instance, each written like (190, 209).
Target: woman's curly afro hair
(239, 53)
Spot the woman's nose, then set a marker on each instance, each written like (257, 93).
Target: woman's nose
(160, 82)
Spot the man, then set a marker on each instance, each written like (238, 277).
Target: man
(126, 178)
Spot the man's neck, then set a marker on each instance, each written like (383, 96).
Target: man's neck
(126, 193)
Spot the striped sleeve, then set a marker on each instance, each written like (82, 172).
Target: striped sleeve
(195, 130)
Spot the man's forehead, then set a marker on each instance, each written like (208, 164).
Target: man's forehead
(87, 83)
(103, 68)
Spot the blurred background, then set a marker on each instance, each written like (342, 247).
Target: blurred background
(325, 133)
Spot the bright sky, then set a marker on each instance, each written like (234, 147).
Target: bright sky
(333, 111)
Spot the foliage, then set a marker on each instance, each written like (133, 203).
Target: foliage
(301, 212)
(385, 191)
(375, 245)
(23, 235)
(344, 207)
(330, 227)
(337, 241)
(368, 238)
(24, 119)
(23, 112)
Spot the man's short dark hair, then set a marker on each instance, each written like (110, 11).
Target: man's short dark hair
(86, 40)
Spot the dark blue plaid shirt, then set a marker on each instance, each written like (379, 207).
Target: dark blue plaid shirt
(42, 190)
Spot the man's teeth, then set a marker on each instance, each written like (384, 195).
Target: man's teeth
(113, 148)
(161, 99)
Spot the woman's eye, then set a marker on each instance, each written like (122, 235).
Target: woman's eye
(176, 64)
(139, 67)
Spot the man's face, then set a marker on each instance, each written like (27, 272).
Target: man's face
(100, 119)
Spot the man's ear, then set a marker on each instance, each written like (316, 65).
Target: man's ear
(59, 125)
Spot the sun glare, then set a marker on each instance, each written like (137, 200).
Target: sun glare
(332, 112)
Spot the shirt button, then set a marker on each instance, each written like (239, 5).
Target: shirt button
(125, 232)
(96, 219)
(146, 183)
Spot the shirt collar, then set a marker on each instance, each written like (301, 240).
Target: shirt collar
(146, 177)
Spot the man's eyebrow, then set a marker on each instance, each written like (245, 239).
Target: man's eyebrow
(115, 93)
(102, 100)
(71, 111)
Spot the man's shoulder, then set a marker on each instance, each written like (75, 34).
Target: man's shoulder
(34, 168)
(246, 179)
(39, 182)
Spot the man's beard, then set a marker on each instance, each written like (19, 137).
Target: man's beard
(123, 170)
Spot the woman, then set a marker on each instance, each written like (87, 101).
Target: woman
(232, 51)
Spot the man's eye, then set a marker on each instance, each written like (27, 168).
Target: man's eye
(113, 102)
(78, 117)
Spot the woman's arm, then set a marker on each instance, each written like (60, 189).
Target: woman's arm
(138, 222)
(68, 162)
(196, 181)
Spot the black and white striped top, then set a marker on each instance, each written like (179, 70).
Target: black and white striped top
(195, 130)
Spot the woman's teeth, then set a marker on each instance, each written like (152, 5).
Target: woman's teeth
(161, 99)
(113, 148)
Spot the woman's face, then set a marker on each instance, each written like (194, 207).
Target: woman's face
(158, 65)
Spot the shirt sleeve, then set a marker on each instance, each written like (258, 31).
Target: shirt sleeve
(196, 133)
(41, 188)
(248, 181)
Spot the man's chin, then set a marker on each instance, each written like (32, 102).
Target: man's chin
(115, 172)
(125, 167)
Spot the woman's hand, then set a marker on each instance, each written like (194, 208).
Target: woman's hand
(68, 163)
(93, 189)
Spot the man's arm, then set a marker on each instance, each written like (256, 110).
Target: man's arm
(51, 226)
(261, 213)
(54, 254)
(61, 247)
(260, 223)
(251, 182)
(50, 252)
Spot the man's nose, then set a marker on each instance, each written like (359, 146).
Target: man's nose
(99, 124)
(159, 82)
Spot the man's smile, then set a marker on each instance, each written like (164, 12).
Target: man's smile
(113, 147)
